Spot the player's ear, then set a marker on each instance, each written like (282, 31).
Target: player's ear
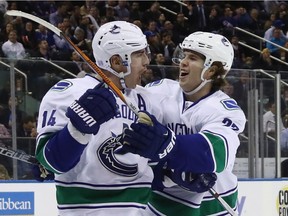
(210, 72)
(116, 63)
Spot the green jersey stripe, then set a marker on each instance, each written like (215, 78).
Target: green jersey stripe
(208, 207)
(219, 150)
(79, 195)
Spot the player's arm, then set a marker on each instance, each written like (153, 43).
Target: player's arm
(61, 151)
(203, 152)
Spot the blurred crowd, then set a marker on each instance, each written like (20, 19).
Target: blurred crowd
(27, 42)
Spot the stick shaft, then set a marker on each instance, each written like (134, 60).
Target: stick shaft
(15, 154)
(222, 202)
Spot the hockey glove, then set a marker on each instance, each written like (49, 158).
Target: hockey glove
(41, 174)
(93, 108)
(153, 141)
(194, 182)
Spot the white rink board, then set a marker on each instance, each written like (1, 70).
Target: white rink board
(258, 197)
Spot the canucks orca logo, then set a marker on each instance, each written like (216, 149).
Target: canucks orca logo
(109, 161)
(225, 42)
(230, 104)
(115, 29)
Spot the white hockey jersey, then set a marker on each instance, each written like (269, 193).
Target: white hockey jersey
(102, 183)
(219, 120)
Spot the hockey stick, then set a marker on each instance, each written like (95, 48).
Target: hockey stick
(18, 155)
(21, 156)
(222, 202)
(79, 51)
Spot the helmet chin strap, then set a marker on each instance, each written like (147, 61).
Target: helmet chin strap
(121, 76)
(122, 80)
(202, 84)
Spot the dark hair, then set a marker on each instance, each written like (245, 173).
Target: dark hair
(218, 80)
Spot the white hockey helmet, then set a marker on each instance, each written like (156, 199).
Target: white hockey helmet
(214, 47)
(117, 38)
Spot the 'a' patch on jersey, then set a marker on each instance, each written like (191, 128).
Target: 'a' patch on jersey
(62, 85)
(230, 104)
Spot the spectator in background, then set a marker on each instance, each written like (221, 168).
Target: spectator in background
(26, 135)
(68, 29)
(75, 63)
(43, 34)
(135, 12)
(239, 55)
(62, 46)
(227, 21)
(181, 28)
(5, 32)
(58, 16)
(15, 21)
(169, 45)
(152, 27)
(75, 17)
(42, 50)
(269, 22)
(256, 23)
(25, 128)
(138, 23)
(4, 133)
(213, 21)
(122, 10)
(28, 37)
(264, 61)
(85, 70)
(4, 175)
(269, 125)
(79, 40)
(276, 39)
(95, 13)
(110, 14)
(6, 114)
(241, 94)
(87, 26)
(159, 71)
(154, 43)
(228, 89)
(241, 17)
(198, 16)
(151, 13)
(277, 24)
(12, 48)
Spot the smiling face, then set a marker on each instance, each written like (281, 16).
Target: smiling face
(191, 67)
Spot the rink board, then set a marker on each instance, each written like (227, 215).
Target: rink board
(257, 197)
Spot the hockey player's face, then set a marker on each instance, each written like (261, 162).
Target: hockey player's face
(139, 62)
(191, 67)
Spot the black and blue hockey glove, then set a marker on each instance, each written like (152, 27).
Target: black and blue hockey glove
(194, 182)
(148, 138)
(93, 108)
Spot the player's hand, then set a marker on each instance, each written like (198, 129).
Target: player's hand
(149, 139)
(93, 108)
(194, 182)
(41, 174)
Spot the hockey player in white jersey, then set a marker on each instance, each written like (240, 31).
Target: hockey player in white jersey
(196, 144)
(80, 126)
